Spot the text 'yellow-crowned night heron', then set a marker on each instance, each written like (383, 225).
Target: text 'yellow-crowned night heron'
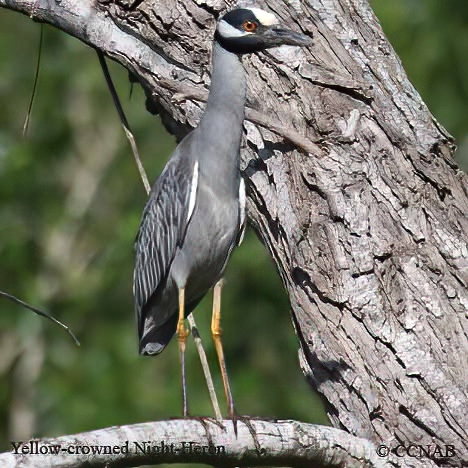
(195, 213)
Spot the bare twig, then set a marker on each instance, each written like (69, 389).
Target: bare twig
(288, 133)
(123, 120)
(36, 79)
(39, 312)
(183, 92)
(205, 366)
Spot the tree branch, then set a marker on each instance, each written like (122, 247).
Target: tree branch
(97, 29)
(368, 226)
(259, 443)
(40, 313)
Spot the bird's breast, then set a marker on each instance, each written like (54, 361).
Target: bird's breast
(209, 240)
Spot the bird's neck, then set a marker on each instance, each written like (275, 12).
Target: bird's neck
(221, 124)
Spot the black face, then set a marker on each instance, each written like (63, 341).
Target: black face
(245, 22)
(243, 31)
(237, 18)
(241, 46)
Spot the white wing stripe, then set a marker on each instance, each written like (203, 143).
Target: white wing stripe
(242, 201)
(193, 191)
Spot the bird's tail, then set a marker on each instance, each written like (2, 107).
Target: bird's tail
(155, 340)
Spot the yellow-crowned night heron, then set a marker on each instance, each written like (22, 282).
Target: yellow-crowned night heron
(195, 213)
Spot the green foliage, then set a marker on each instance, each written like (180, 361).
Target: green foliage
(70, 204)
(431, 38)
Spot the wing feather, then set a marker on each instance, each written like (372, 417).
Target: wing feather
(162, 228)
(242, 218)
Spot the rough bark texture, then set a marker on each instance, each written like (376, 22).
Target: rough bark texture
(353, 188)
(257, 443)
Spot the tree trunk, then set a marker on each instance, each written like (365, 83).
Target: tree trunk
(353, 189)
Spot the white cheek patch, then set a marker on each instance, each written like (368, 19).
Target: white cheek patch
(265, 18)
(226, 30)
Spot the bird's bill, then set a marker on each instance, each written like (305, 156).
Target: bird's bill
(276, 36)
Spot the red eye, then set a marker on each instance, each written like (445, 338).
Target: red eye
(249, 26)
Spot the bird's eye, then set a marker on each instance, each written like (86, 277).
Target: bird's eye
(249, 26)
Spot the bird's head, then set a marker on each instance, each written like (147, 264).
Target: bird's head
(246, 30)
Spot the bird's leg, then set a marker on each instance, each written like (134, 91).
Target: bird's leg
(182, 335)
(216, 332)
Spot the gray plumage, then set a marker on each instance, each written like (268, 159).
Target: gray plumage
(195, 212)
(172, 247)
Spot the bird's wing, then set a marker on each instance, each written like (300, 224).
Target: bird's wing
(163, 226)
(242, 217)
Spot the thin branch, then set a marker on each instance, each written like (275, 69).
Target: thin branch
(205, 366)
(259, 443)
(288, 133)
(36, 79)
(81, 20)
(39, 312)
(184, 92)
(124, 121)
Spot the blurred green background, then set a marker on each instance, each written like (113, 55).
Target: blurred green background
(70, 204)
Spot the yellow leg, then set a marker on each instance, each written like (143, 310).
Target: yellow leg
(182, 336)
(216, 332)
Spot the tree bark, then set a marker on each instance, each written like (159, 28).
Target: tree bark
(257, 443)
(353, 189)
